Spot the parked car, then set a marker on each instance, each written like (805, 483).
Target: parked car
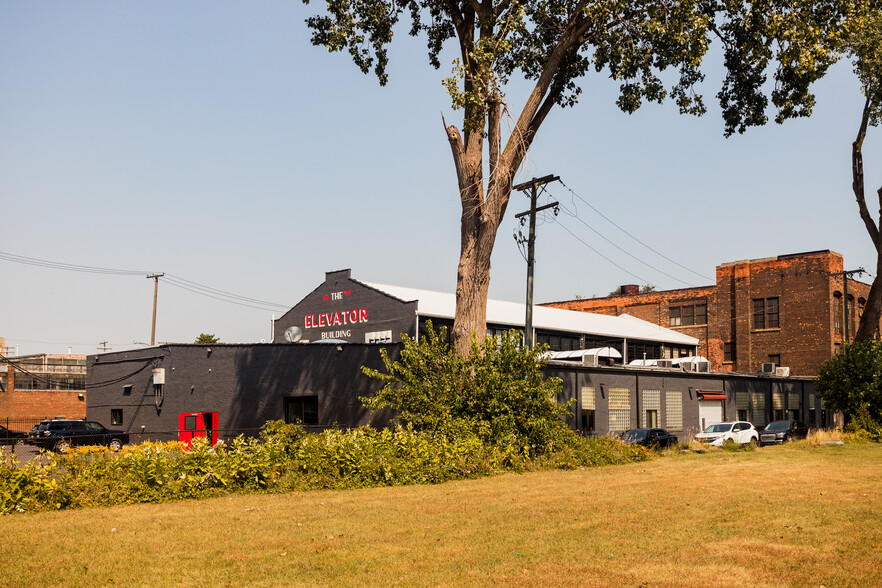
(649, 437)
(11, 437)
(61, 434)
(740, 432)
(783, 431)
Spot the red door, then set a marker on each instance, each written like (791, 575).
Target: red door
(197, 424)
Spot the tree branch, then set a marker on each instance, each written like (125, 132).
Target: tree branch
(857, 172)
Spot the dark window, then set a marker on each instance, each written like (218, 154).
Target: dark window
(701, 314)
(190, 423)
(772, 312)
(742, 414)
(765, 313)
(116, 416)
(776, 359)
(691, 314)
(587, 420)
(759, 314)
(127, 390)
(729, 352)
(302, 409)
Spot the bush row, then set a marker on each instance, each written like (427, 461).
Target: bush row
(283, 458)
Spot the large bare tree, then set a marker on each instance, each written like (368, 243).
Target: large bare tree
(555, 44)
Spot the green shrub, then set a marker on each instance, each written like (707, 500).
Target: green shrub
(851, 382)
(497, 393)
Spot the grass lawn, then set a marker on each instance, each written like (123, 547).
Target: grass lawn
(792, 515)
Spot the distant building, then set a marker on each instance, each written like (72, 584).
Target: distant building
(789, 311)
(42, 385)
(365, 312)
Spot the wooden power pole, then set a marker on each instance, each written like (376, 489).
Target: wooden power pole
(155, 278)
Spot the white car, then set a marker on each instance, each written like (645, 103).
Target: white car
(739, 432)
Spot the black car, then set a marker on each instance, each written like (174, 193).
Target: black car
(649, 437)
(61, 434)
(10, 437)
(783, 431)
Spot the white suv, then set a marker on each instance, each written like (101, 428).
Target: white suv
(740, 432)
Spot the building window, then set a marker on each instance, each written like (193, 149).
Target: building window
(729, 351)
(692, 314)
(302, 409)
(651, 408)
(116, 416)
(619, 409)
(778, 406)
(674, 410)
(776, 359)
(765, 313)
(589, 407)
(742, 405)
(759, 410)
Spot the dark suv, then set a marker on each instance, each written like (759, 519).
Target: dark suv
(61, 434)
(778, 432)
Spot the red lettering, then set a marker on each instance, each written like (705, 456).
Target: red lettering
(307, 323)
(362, 317)
(337, 320)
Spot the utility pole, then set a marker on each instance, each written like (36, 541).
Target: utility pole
(532, 185)
(845, 275)
(155, 278)
(103, 347)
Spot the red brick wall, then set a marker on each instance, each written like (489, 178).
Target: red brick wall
(23, 404)
(805, 290)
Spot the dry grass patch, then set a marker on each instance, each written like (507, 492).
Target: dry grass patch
(794, 515)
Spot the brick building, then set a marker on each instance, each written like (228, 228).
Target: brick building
(42, 385)
(787, 310)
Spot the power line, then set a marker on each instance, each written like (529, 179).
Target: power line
(171, 279)
(610, 221)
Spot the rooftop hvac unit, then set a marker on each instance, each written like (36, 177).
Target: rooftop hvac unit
(784, 372)
(702, 366)
(767, 368)
(589, 360)
(664, 363)
(688, 366)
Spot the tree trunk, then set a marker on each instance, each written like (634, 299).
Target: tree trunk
(869, 324)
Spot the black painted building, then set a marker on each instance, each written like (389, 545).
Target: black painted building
(346, 309)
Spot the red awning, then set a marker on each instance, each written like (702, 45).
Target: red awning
(711, 395)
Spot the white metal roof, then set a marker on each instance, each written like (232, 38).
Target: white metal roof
(499, 312)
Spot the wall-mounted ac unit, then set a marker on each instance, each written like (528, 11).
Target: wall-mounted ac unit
(590, 360)
(767, 368)
(784, 372)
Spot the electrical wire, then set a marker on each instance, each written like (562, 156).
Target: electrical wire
(610, 221)
(170, 279)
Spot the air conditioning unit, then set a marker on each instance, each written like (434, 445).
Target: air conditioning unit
(784, 372)
(590, 360)
(664, 363)
(767, 368)
(688, 366)
(703, 366)
(159, 376)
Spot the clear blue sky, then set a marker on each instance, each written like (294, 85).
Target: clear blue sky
(212, 141)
